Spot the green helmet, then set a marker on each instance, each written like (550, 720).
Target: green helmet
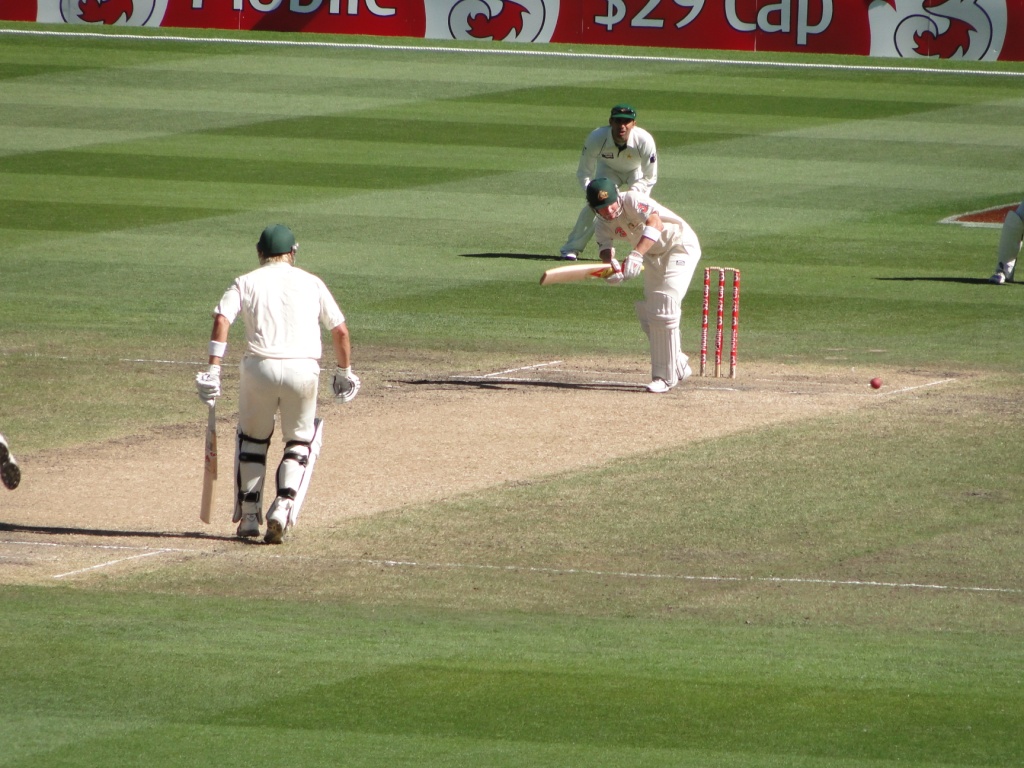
(601, 193)
(275, 240)
(623, 112)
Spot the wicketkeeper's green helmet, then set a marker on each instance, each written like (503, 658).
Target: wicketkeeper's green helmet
(601, 193)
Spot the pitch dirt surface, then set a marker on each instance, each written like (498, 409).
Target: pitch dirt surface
(409, 438)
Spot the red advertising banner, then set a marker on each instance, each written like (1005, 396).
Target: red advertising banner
(351, 17)
(969, 30)
(18, 10)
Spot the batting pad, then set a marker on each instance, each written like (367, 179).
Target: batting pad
(292, 468)
(250, 472)
(641, 315)
(666, 353)
(1009, 239)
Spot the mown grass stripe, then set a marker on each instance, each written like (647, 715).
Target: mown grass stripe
(269, 172)
(93, 216)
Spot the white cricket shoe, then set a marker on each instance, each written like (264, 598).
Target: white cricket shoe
(10, 472)
(1004, 274)
(658, 387)
(277, 520)
(249, 525)
(686, 372)
(568, 255)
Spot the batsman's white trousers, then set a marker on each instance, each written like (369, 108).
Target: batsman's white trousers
(671, 272)
(268, 386)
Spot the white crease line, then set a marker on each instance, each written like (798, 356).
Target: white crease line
(513, 370)
(683, 577)
(982, 224)
(919, 386)
(163, 362)
(112, 562)
(556, 571)
(825, 391)
(93, 546)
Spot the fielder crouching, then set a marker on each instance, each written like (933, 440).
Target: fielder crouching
(666, 250)
(283, 308)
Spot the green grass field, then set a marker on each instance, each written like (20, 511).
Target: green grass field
(867, 605)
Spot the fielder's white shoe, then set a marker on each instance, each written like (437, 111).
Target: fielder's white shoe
(10, 472)
(1003, 275)
(277, 520)
(249, 525)
(569, 255)
(658, 387)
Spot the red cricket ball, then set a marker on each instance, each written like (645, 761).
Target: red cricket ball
(876, 383)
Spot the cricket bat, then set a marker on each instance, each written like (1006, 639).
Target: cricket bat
(574, 273)
(209, 465)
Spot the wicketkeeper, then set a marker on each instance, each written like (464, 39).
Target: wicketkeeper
(621, 151)
(283, 308)
(666, 250)
(1009, 246)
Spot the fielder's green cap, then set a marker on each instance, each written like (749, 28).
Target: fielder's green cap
(275, 240)
(623, 112)
(601, 193)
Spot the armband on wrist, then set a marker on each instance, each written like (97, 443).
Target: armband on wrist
(652, 233)
(218, 348)
(344, 371)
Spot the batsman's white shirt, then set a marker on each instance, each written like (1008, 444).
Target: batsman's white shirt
(670, 262)
(636, 164)
(283, 308)
(629, 226)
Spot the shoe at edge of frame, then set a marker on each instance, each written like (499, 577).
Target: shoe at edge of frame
(10, 472)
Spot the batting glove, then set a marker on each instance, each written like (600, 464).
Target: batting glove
(208, 384)
(616, 277)
(345, 384)
(634, 264)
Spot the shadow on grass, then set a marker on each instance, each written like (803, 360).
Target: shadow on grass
(506, 383)
(962, 280)
(526, 256)
(62, 531)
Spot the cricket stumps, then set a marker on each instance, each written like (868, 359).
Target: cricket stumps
(720, 321)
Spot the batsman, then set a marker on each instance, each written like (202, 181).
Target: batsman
(665, 249)
(283, 308)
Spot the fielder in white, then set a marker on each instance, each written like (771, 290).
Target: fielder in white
(283, 308)
(666, 250)
(1009, 246)
(620, 151)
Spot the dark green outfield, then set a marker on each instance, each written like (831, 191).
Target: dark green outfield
(162, 681)
(430, 189)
